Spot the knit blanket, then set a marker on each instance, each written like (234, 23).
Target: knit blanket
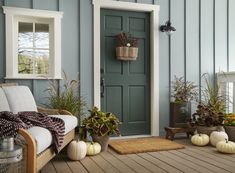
(10, 123)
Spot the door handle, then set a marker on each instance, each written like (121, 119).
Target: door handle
(102, 84)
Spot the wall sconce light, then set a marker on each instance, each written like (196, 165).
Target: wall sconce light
(167, 28)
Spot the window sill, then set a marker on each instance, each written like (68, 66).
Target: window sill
(33, 77)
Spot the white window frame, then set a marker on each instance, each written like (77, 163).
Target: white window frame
(53, 18)
(226, 82)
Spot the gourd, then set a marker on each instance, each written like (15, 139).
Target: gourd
(217, 136)
(226, 147)
(200, 139)
(93, 148)
(77, 150)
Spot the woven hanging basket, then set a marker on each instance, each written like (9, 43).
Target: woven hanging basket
(127, 53)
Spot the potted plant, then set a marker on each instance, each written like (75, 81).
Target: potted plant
(127, 47)
(229, 125)
(210, 112)
(67, 98)
(101, 125)
(180, 108)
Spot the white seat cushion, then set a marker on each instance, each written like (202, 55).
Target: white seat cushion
(4, 106)
(20, 98)
(70, 121)
(43, 136)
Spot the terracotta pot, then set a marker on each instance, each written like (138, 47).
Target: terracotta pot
(206, 130)
(102, 140)
(230, 130)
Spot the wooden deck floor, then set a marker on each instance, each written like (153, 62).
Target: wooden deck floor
(190, 160)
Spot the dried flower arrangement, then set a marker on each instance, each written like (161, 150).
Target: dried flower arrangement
(125, 41)
(183, 91)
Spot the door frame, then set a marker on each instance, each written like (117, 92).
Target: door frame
(154, 52)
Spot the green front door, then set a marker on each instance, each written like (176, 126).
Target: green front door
(125, 88)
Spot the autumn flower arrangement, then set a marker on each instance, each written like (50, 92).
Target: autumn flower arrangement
(124, 40)
(127, 47)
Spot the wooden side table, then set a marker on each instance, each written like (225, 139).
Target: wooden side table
(171, 131)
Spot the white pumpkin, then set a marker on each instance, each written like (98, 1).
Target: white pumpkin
(226, 147)
(93, 148)
(200, 139)
(77, 150)
(217, 136)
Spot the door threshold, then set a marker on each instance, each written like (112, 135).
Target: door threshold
(131, 137)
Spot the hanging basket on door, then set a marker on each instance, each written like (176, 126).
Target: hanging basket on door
(127, 49)
(127, 53)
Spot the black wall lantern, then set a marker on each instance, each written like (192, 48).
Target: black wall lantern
(167, 28)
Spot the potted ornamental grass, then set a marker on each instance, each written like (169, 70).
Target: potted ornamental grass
(183, 92)
(101, 125)
(66, 97)
(210, 112)
(126, 49)
(229, 125)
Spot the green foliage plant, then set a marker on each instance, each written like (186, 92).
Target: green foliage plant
(68, 98)
(183, 91)
(101, 123)
(212, 108)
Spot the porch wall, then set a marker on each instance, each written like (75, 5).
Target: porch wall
(203, 43)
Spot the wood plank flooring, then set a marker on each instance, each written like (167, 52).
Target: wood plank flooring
(191, 159)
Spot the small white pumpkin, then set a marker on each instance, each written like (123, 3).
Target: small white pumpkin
(200, 139)
(217, 136)
(93, 148)
(226, 147)
(77, 150)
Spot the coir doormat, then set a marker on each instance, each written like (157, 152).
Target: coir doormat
(141, 145)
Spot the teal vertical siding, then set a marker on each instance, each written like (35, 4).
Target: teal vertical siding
(177, 47)
(203, 43)
(220, 35)
(86, 54)
(21, 3)
(206, 38)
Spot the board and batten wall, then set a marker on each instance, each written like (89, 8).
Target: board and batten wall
(203, 43)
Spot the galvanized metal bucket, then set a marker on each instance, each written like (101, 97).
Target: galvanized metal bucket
(10, 156)
(7, 143)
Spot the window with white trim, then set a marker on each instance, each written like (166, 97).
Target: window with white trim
(226, 81)
(33, 43)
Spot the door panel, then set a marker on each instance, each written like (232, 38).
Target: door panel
(137, 105)
(115, 104)
(127, 89)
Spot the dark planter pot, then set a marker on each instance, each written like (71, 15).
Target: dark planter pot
(180, 114)
(206, 130)
(102, 140)
(230, 130)
(82, 133)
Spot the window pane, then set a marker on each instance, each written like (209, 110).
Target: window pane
(41, 61)
(25, 61)
(41, 35)
(25, 37)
